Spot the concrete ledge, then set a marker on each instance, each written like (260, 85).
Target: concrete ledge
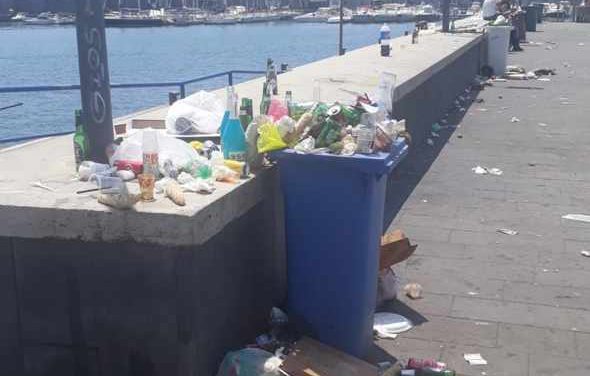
(37, 213)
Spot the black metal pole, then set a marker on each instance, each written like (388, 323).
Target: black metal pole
(95, 88)
(341, 30)
(446, 5)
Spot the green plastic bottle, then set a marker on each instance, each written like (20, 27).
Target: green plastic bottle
(80, 140)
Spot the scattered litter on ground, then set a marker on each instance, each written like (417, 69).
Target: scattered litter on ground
(434, 134)
(544, 79)
(580, 44)
(532, 164)
(542, 124)
(249, 361)
(388, 325)
(566, 64)
(38, 184)
(462, 109)
(473, 293)
(436, 127)
(459, 136)
(515, 69)
(475, 359)
(479, 100)
(395, 247)
(387, 285)
(482, 109)
(430, 142)
(507, 231)
(585, 253)
(479, 170)
(413, 290)
(550, 270)
(514, 119)
(544, 72)
(482, 323)
(577, 217)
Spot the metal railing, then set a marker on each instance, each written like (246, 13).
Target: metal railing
(180, 84)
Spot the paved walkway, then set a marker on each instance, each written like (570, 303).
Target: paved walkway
(522, 301)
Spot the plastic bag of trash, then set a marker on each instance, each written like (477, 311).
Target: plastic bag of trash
(170, 150)
(249, 362)
(387, 285)
(269, 138)
(198, 113)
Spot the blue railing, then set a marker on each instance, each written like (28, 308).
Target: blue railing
(180, 84)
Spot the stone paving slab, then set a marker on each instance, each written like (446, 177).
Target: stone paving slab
(522, 301)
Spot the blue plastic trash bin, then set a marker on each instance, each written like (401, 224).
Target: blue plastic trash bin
(334, 219)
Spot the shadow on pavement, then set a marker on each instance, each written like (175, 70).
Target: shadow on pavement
(408, 174)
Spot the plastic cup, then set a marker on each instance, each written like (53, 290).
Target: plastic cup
(107, 184)
(146, 186)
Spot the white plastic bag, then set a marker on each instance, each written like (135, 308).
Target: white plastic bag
(198, 113)
(169, 148)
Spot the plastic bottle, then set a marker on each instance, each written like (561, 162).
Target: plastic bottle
(365, 138)
(384, 40)
(231, 102)
(150, 152)
(288, 100)
(80, 140)
(233, 141)
(317, 91)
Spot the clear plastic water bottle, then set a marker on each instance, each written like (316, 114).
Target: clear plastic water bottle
(385, 39)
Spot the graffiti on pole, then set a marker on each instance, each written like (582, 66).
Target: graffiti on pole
(95, 87)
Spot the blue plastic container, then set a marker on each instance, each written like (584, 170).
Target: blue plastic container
(334, 219)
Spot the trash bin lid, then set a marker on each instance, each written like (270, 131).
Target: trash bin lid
(376, 163)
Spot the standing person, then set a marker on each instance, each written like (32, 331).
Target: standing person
(510, 11)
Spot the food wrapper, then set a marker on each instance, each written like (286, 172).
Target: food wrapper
(269, 138)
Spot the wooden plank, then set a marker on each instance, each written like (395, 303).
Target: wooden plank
(312, 358)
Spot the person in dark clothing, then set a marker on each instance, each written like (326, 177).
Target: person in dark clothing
(506, 8)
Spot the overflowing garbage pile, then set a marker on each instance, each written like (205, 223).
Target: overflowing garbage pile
(166, 165)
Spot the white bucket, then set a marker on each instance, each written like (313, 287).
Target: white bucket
(498, 42)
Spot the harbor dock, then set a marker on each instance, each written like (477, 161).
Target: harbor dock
(163, 290)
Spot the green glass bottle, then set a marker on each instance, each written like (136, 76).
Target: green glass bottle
(80, 140)
(246, 112)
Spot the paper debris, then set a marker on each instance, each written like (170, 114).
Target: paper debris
(479, 170)
(545, 79)
(475, 359)
(472, 293)
(585, 253)
(580, 44)
(514, 119)
(542, 124)
(430, 142)
(495, 171)
(413, 290)
(38, 184)
(577, 217)
(507, 231)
